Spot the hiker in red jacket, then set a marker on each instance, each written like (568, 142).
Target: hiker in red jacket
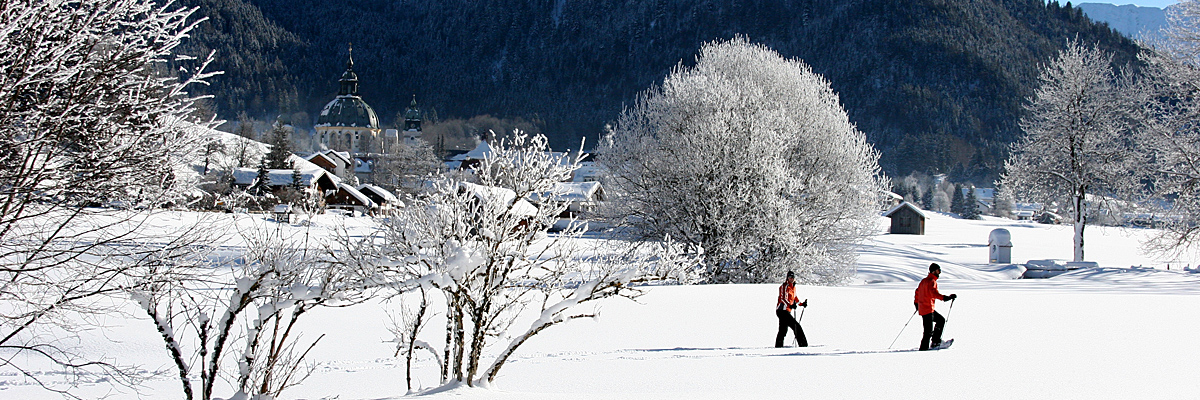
(927, 293)
(783, 309)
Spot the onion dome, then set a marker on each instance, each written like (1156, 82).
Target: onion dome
(348, 109)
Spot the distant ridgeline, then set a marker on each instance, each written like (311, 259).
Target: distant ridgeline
(937, 85)
(1132, 21)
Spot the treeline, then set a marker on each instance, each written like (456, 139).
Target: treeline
(938, 86)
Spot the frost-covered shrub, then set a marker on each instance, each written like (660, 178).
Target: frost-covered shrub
(750, 157)
(486, 250)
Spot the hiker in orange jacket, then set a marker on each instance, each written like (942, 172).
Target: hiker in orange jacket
(783, 309)
(927, 293)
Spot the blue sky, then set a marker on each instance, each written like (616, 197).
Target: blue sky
(1144, 3)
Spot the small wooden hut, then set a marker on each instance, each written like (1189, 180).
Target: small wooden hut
(907, 219)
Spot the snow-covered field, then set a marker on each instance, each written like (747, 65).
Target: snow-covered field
(1114, 332)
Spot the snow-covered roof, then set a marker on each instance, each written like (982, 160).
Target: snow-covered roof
(981, 193)
(497, 195)
(587, 171)
(309, 173)
(524, 208)
(570, 191)
(363, 165)
(381, 192)
(904, 205)
(301, 163)
(362, 198)
(480, 152)
(1022, 213)
(339, 157)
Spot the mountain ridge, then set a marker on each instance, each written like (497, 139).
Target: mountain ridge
(1137, 22)
(937, 86)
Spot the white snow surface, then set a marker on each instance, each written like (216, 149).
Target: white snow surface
(1112, 332)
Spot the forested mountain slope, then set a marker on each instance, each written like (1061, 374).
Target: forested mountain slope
(936, 85)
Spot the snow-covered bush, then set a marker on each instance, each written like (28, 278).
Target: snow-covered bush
(252, 344)
(750, 157)
(486, 250)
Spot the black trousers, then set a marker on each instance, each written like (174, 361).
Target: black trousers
(932, 323)
(786, 321)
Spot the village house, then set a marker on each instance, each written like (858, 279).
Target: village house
(348, 198)
(312, 178)
(384, 200)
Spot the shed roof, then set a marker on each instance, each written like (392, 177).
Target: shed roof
(904, 205)
(378, 191)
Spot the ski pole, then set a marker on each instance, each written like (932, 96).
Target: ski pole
(950, 309)
(947, 318)
(795, 339)
(806, 308)
(905, 327)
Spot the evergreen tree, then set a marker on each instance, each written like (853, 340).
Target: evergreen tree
(281, 146)
(263, 181)
(971, 205)
(927, 199)
(297, 179)
(956, 202)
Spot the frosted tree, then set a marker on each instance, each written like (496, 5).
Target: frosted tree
(749, 157)
(89, 115)
(1171, 111)
(1182, 31)
(403, 167)
(485, 249)
(1076, 141)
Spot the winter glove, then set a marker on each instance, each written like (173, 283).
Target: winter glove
(795, 305)
(803, 304)
(951, 297)
(915, 306)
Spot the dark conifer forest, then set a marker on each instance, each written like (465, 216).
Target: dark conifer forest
(937, 85)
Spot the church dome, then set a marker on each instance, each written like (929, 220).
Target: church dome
(348, 110)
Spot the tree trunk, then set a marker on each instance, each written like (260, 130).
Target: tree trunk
(1080, 223)
(459, 342)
